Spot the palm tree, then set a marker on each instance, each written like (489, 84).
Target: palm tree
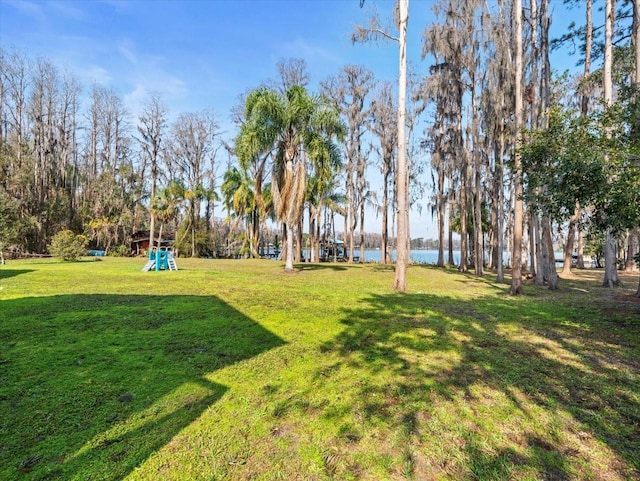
(289, 128)
(321, 188)
(238, 190)
(165, 206)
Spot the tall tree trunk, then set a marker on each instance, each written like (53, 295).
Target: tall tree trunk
(610, 260)
(541, 255)
(464, 248)
(580, 248)
(545, 99)
(441, 215)
(568, 248)
(500, 200)
(450, 260)
(516, 279)
(477, 229)
(635, 41)
(633, 247)
(400, 279)
(384, 247)
(634, 236)
(288, 267)
(584, 108)
(610, 264)
(535, 263)
(362, 233)
(548, 241)
(584, 105)
(345, 234)
(299, 241)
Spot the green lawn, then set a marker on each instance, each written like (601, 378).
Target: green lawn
(233, 370)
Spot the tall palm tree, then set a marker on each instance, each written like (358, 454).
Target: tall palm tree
(165, 206)
(238, 190)
(291, 129)
(321, 187)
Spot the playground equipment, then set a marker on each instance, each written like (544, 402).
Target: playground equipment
(161, 259)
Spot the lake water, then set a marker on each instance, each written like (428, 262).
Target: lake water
(427, 256)
(417, 256)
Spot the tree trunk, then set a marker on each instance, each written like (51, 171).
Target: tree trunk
(610, 264)
(587, 54)
(441, 214)
(400, 279)
(534, 247)
(568, 248)
(450, 260)
(288, 267)
(384, 247)
(362, 233)
(516, 278)
(283, 244)
(580, 260)
(552, 274)
(635, 40)
(298, 256)
(584, 107)
(541, 255)
(464, 248)
(500, 200)
(633, 248)
(479, 247)
(312, 235)
(610, 261)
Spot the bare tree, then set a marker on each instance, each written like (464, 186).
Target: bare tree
(496, 108)
(190, 145)
(292, 71)
(350, 90)
(152, 127)
(383, 125)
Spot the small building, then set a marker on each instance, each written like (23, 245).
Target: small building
(140, 242)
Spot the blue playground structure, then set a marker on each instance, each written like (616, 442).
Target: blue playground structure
(161, 259)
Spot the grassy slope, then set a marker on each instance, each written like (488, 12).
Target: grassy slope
(234, 370)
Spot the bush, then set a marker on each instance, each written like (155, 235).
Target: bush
(120, 251)
(68, 246)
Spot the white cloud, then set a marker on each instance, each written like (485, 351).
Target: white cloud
(25, 7)
(134, 100)
(120, 6)
(94, 74)
(149, 76)
(300, 48)
(66, 9)
(127, 49)
(42, 11)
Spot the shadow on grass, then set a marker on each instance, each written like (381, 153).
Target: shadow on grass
(6, 273)
(92, 385)
(320, 266)
(477, 356)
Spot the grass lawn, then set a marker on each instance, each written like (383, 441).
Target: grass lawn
(233, 370)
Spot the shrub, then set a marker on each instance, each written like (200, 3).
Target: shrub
(120, 251)
(68, 246)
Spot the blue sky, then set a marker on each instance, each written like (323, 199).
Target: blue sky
(196, 53)
(202, 54)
